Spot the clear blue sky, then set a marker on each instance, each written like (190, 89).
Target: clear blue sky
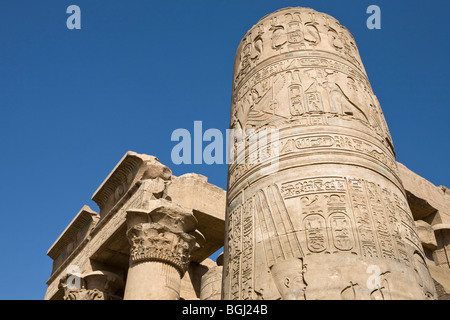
(72, 102)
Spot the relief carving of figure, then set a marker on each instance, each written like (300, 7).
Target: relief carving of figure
(340, 102)
(289, 278)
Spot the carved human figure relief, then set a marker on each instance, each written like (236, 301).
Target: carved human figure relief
(289, 278)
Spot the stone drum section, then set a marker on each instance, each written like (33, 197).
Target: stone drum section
(331, 219)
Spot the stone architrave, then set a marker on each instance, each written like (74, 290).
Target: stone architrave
(141, 187)
(315, 205)
(162, 241)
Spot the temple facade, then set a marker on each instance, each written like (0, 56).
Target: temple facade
(316, 205)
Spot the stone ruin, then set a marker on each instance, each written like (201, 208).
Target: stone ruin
(316, 205)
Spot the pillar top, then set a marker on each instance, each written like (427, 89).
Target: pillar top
(166, 233)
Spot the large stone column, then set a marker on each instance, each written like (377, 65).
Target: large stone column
(315, 206)
(162, 240)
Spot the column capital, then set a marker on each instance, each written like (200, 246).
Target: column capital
(95, 285)
(167, 233)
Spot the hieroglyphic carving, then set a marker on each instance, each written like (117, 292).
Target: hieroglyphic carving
(316, 233)
(240, 248)
(320, 198)
(338, 141)
(291, 31)
(309, 85)
(252, 46)
(380, 220)
(363, 220)
(312, 186)
(296, 100)
(235, 249)
(342, 41)
(341, 229)
(308, 82)
(395, 224)
(247, 250)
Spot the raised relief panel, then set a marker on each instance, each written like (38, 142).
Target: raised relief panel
(316, 233)
(289, 277)
(341, 229)
(296, 100)
(235, 252)
(314, 102)
(240, 250)
(363, 219)
(381, 221)
(247, 254)
(336, 197)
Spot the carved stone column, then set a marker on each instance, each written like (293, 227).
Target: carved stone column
(211, 284)
(315, 205)
(162, 240)
(96, 285)
(442, 253)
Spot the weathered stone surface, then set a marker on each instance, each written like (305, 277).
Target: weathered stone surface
(317, 207)
(442, 253)
(441, 277)
(427, 201)
(133, 167)
(191, 282)
(76, 233)
(162, 241)
(139, 184)
(430, 206)
(426, 235)
(314, 182)
(208, 204)
(211, 284)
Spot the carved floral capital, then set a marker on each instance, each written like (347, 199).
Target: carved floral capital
(96, 285)
(167, 234)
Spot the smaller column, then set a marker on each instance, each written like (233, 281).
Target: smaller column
(442, 253)
(162, 241)
(95, 285)
(211, 284)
